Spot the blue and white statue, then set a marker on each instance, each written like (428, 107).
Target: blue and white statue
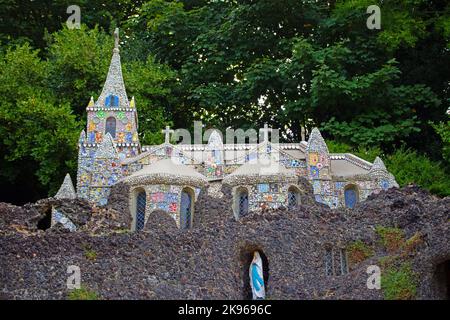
(257, 278)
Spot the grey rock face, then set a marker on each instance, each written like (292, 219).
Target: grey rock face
(210, 261)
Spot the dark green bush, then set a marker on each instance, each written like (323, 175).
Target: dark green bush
(410, 167)
(399, 283)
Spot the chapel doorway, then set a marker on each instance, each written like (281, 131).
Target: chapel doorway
(186, 208)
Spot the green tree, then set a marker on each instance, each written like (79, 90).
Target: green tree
(285, 62)
(29, 20)
(38, 135)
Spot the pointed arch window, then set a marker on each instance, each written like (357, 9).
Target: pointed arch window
(141, 201)
(112, 101)
(351, 196)
(293, 197)
(186, 209)
(242, 202)
(110, 126)
(329, 267)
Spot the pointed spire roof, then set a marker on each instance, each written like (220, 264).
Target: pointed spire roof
(316, 142)
(106, 149)
(67, 190)
(114, 84)
(82, 138)
(91, 102)
(215, 140)
(378, 165)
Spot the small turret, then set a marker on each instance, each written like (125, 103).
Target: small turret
(378, 165)
(67, 190)
(317, 156)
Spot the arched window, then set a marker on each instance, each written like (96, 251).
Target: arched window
(329, 267)
(186, 209)
(293, 197)
(141, 202)
(111, 126)
(242, 202)
(344, 264)
(112, 101)
(351, 196)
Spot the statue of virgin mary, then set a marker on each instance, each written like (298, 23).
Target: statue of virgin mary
(257, 278)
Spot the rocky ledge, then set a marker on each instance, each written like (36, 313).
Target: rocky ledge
(403, 232)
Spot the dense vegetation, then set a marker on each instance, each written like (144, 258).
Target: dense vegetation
(237, 64)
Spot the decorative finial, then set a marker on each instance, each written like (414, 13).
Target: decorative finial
(66, 191)
(378, 165)
(116, 39)
(132, 103)
(316, 143)
(265, 131)
(167, 133)
(91, 103)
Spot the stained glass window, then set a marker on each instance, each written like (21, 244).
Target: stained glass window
(329, 262)
(140, 210)
(185, 210)
(112, 101)
(243, 203)
(292, 198)
(111, 126)
(351, 197)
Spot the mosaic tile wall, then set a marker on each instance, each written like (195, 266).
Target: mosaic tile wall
(125, 130)
(267, 195)
(214, 158)
(98, 169)
(166, 198)
(58, 217)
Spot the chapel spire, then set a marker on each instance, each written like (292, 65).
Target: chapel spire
(114, 94)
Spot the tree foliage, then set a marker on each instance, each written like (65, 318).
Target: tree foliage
(230, 64)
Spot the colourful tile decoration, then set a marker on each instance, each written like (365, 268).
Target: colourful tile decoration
(173, 207)
(108, 153)
(314, 171)
(313, 159)
(384, 184)
(274, 188)
(267, 195)
(263, 187)
(339, 185)
(326, 188)
(59, 217)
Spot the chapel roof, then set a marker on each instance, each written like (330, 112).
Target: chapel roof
(259, 172)
(167, 171)
(345, 168)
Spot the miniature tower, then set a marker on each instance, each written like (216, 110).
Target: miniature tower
(382, 178)
(111, 135)
(65, 192)
(214, 158)
(318, 166)
(112, 112)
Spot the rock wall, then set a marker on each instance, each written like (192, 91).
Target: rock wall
(210, 261)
